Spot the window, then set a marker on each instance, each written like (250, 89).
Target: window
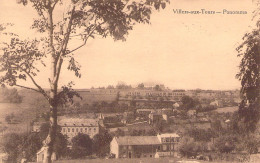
(86, 129)
(164, 147)
(64, 129)
(94, 129)
(77, 130)
(68, 129)
(72, 130)
(81, 130)
(89, 129)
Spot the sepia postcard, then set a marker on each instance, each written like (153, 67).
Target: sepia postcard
(135, 81)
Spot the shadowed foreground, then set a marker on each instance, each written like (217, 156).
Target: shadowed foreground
(142, 160)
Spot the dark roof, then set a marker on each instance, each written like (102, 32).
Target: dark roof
(138, 140)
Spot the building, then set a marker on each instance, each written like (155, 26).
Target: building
(72, 126)
(144, 112)
(168, 144)
(217, 103)
(155, 118)
(144, 146)
(3, 157)
(192, 113)
(42, 153)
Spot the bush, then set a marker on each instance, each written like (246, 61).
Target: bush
(18, 146)
(101, 144)
(81, 146)
(225, 144)
(189, 148)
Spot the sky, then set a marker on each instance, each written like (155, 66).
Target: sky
(181, 51)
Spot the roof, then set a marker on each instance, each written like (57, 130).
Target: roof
(73, 121)
(138, 140)
(169, 135)
(145, 110)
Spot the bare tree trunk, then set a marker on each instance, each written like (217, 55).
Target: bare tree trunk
(50, 140)
(52, 134)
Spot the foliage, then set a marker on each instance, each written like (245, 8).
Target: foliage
(119, 132)
(80, 21)
(226, 143)
(248, 74)
(9, 118)
(81, 146)
(188, 147)
(101, 144)
(157, 88)
(10, 95)
(200, 134)
(61, 141)
(31, 145)
(12, 146)
(19, 146)
(216, 126)
(123, 85)
(189, 103)
(140, 86)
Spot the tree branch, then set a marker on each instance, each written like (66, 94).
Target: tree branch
(36, 90)
(38, 86)
(85, 41)
(34, 82)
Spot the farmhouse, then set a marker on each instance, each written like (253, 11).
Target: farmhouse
(144, 146)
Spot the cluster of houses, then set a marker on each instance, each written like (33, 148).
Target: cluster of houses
(162, 145)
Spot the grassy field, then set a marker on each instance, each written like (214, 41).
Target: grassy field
(140, 160)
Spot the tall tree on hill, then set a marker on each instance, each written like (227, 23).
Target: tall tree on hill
(82, 20)
(249, 71)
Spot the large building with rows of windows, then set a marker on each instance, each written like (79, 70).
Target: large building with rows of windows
(71, 126)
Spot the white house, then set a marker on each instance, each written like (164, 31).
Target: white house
(42, 153)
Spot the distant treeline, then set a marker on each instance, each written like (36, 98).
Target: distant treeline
(10, 96)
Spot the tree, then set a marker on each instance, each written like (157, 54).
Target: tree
(248, 74)
(30, 146)
(12, 145)
(10, 95)
(21, 145)
(189, 103)
(9, 118)
(157, 88)
(101, 144)
(61, 141)
(81, 146)
(140, 86)
(225, 143)
(84, 19)
(188, 147)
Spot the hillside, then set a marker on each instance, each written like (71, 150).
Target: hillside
(88, 96)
